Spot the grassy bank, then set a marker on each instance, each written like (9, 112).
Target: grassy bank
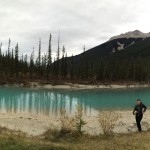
(133, 141)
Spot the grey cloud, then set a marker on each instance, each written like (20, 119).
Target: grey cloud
(88, 22)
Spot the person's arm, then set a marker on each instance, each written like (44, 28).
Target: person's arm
(134, 110)
(144, 107)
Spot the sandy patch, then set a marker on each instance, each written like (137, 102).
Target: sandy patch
(37, 124)
(80, 86)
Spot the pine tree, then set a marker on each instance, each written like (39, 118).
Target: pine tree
(9, 42)
(25, 63)
(54, 68)
(39, 59)
(32, 64)
(11, 57)
(12, 54)
(22, 58)
(65, 66)
(63, 61)
(72, 68)
(39, 54)
(16, 53)
(58, 48)
(32, 58)
(58, 57)
(50, 51)
(49, 57)
(84, 48)
(44, 65)
(16, 58)
(63, 51)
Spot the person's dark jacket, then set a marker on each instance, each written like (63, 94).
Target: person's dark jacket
(140, 109)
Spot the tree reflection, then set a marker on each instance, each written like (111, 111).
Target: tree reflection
(49, 102)
(45, 102)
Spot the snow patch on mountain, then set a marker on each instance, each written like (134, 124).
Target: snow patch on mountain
(120, 46)
(131, 44)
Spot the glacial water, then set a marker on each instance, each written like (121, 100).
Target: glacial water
(48, 102)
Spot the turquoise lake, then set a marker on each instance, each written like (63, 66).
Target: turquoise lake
(47, 102)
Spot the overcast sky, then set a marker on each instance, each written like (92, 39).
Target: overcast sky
(89, 22)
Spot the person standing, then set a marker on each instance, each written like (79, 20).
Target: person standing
(138, 111)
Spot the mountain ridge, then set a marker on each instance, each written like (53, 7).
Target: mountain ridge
(131, 34)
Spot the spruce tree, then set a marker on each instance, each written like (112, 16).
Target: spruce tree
(39, 60)
(65, 66)
(84, 48)
(16, 53)
(50, 51)
(49, 57)
(16, 58)
(58, 48)
(72, 68)
(39, 53)
(32, 64)
(63, 61)
(9, 42)
(58, 57)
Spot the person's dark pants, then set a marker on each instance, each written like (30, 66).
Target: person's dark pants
(138, 121)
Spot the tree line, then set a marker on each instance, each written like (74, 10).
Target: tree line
(76, 69)
(16, 68)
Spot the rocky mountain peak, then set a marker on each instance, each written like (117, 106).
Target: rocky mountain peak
(131, 34)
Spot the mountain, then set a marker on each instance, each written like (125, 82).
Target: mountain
(111, 47)
(131, 34)
(115, 45)
(123, 57)
(118, 43)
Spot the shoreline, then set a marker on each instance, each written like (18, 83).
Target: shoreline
(81, 86)
(78, 86)
(36, 125)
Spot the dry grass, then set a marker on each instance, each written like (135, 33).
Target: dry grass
(70, 138)
(132, 141)
(16, 140)
(70, 127)
(107, 120)
(67, 123)
(74, 123)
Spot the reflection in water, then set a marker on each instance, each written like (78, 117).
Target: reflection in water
(47, 102)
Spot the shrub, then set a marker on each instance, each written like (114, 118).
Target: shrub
(51, 133)
(79, 119)
(70, 127)
(72, 124)
(67, 123)
(107, 120)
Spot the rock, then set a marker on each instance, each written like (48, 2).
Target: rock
(120, 123)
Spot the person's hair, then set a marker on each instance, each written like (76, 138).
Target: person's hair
(138, 100)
